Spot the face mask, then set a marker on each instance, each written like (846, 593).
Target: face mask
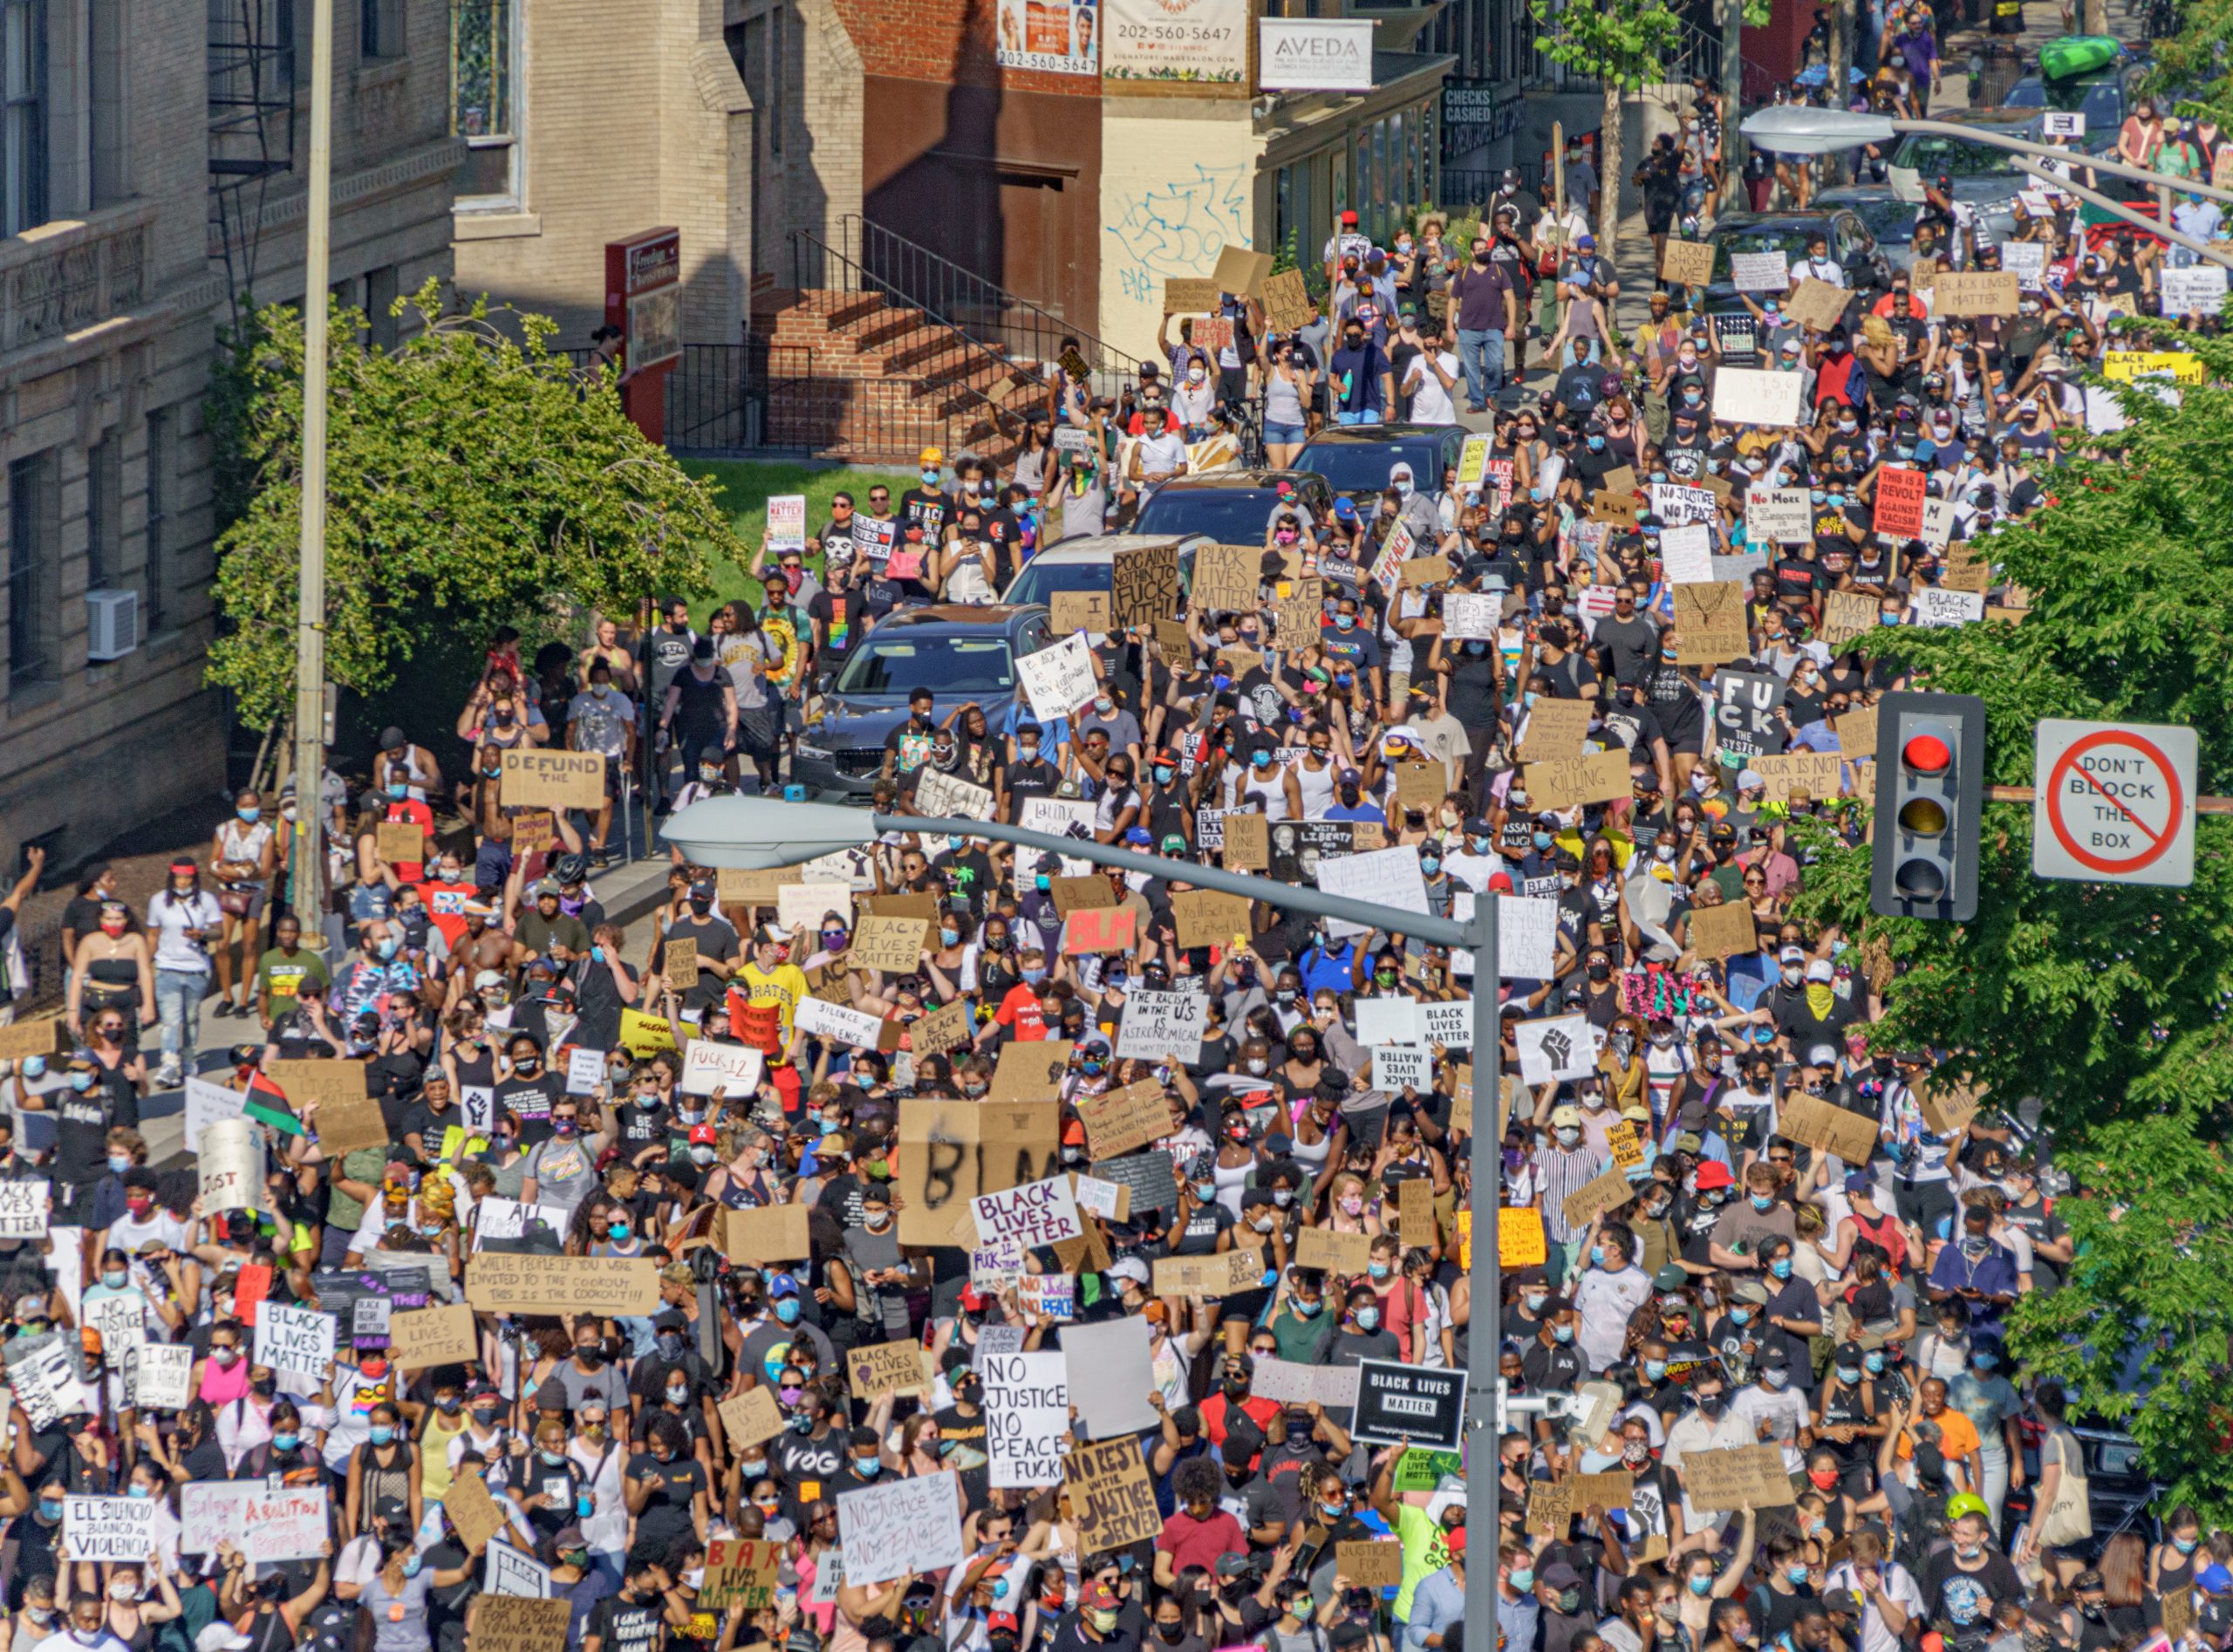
(1702, 1586)
(286, 1442)
(1781, 1268)
(1562, 1332)
(1523, 1579)
(382, 1434)
(1763, 1201)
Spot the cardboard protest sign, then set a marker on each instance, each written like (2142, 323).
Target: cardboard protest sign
(1711, 621)
(1206, 918)
(1607, 1191)
(441, 1335)
(1219, 1274)
(1079, 610)
(1690, 262)
(769, 1233)
(1239, 271)
(500, 1282)
(892, 944)
(1948, 1104)
(733, 1069)
(47, 1036)
(1112, 1495)
(1566, 782)
(400, 842)
(885, 1367)
(1977, 293)
(750, 1417)
(1722, 932)
(1089, 891)
(1118, 1121)
(298, 1341)
(1846, 616)
(1337, 1253)
(1375, 1564)
(1287, 302)
(1555, 729)
(1827, 1127)
(1414, 1211)
(553, 779)
(953, 1150)
(1760, 272)
(741, 1572)
(1028, 1413)
(1028, 1071)
(1737, 1477)
(520, 1623)
(1143, 585)
(1189, 296)
(1857, 734)
(1226, 578)
(1818, 304)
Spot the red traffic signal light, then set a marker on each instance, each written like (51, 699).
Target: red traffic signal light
(1930, 757)
(1928, 753)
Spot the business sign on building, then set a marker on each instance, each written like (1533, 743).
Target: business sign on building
(1187, 42)
(1056, 36)
(1314, 54)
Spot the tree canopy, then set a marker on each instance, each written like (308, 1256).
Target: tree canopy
(473, 481)
(2108, 1005)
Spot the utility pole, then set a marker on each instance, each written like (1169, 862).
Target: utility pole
(1732, 105)
(307, 855)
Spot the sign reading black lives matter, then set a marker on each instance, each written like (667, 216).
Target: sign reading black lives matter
(1400, 1403)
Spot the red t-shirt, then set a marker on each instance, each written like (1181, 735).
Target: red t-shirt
(412, 812)
(1019, 1009)
(1192, 1542)
(446, 907)
(1217, 1415)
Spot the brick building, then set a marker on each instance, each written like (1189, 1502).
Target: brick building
(150, 162)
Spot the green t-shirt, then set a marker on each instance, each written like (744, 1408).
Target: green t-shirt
(366, 1165)
(280, 977)
(1424, 1553)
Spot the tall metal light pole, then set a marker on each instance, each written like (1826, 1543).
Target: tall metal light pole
(307, 859)
(756, 834)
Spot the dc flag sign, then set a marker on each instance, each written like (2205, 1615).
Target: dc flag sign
(2114, 803)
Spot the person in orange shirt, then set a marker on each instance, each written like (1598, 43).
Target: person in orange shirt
(1956, 1437)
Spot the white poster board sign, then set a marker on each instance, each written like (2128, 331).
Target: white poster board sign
(1028, 1415)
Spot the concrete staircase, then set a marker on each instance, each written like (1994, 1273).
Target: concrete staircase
(870, 379)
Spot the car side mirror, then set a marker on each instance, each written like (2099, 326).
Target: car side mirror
(822, 680)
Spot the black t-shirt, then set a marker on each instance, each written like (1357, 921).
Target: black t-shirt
(1632, 646)
(528, 1100)
(930, 506)
(1965, 1600)
(621, 1625)
(717, 947)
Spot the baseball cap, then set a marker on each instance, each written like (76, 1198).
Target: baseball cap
(702, 1135)
(219, 1636)
(1130, 1267)
(1791, 955)
(1751, 1290)
(1563, 1115)
(1820, 970)
(1822, 1056)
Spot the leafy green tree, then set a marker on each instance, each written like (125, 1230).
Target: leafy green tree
(2107, 1005)
(1626, 44)
(473, 482)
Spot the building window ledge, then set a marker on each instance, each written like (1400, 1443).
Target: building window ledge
(503, 223)
(379, 72)
(26, 700)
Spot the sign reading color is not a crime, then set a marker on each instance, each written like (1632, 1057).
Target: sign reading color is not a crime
(2114, 803)
(1400, 1403)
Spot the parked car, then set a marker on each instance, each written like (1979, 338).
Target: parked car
(1851, 244)
(1891, 220)
(959, 654)
(1984, 176)
(1083, 564)
(2104, 96)
(1231, 507)
(1355, 459)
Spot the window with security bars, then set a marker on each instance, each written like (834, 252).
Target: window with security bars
(484, 78)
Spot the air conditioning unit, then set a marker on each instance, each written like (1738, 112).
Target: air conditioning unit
(112, 623)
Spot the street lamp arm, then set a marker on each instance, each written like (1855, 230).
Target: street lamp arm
(1301, 898)
(2200, 248)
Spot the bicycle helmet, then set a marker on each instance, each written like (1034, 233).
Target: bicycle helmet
(571, 869)
(1964, 1503)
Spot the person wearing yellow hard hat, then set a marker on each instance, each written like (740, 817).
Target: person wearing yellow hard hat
(930, 505)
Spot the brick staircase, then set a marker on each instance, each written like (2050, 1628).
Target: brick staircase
(870, 379)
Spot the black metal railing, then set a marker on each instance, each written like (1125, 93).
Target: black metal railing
(714, 400)
(928, 372)
(1017, 327)
(1700, 57)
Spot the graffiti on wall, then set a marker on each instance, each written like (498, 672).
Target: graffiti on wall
(1177, 228)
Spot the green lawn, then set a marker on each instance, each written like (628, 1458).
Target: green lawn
(745, 486)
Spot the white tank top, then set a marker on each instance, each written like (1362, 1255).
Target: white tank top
(1272, 792)
(1317, 789)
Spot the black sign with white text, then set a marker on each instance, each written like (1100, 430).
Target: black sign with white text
(1405, 1402)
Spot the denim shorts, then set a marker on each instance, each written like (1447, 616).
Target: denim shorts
(1286, 435)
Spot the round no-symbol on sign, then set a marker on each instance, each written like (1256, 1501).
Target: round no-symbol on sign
(2115, 802)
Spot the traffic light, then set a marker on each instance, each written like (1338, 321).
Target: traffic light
(1931, 796)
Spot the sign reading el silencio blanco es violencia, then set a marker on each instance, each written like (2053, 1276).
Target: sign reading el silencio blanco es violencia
(2114, 803)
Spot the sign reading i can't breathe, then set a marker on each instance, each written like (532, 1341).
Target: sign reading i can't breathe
(1401, 1403)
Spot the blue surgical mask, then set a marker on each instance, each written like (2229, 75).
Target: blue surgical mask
(136, 1490)
(930, 475)
(1781, 1268)
(1875, 1362)
(49, 1510)
(115, 1277)
(389, 946)
(1378, 1270)
(120, 1162)
(868, 1467)
(398, 789)
(1562, 1332)
(597, 954)
(249, 814)
(1522, 1579)
(81, 1081)
(286, 1442)
(1795, 1573)
(786, 1309)
(382, 1434)
(1654, 1370)
(1763, 1201)
(1740, 1315)
(948, 936)
(1597, 1256)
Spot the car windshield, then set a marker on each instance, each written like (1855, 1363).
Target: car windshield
(1892, 221)
(949, 665)
(1041, 578)
(1932, 155)
(1789, 239)
(2098, 100)
(1354, 466)
(1230, 515)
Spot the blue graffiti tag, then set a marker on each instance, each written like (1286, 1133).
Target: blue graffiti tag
(1178, 231)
